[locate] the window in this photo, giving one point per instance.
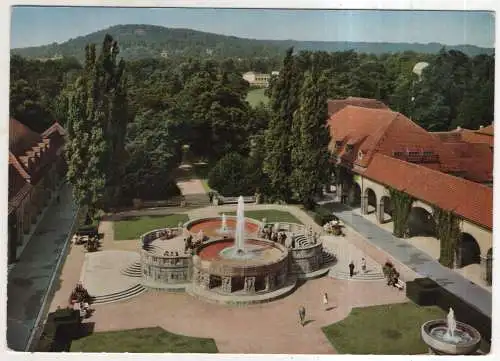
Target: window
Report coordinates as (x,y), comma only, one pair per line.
(398,154)
(349,147)
(428,153)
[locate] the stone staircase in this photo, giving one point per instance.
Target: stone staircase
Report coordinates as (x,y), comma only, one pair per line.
(133,291)
(134,270)
(197,200)
(328,258)
(341,272)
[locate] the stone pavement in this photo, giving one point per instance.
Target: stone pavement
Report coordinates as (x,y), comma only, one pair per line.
(29,279)
(270,328)
(417,260)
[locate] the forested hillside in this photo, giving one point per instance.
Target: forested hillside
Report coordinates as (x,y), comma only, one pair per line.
(149,41)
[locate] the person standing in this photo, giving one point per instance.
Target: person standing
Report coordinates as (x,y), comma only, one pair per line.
(351,268)
(363,264)
(325,300)
(302,315)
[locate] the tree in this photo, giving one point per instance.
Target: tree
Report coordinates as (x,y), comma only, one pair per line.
(310,161)
(97,122)
(229,176)
(283,103)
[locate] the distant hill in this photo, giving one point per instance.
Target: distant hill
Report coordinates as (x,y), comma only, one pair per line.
(147,41)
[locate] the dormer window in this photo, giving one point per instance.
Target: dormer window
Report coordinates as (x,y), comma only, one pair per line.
(360,155)
(338,144)
(349,147)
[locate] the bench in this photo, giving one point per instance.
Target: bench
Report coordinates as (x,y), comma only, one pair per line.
(400,284)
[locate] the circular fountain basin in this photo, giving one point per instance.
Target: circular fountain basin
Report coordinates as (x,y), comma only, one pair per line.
(465,340)
(212,227)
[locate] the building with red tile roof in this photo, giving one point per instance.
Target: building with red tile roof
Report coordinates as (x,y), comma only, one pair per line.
(35,167)
(381,149)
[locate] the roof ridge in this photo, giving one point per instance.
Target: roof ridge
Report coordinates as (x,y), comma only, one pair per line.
(465,181)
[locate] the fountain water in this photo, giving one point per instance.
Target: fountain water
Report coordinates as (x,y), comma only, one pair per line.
(450,337)
(239,237)
(223,228)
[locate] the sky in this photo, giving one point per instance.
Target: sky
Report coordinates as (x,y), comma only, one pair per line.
(32,26)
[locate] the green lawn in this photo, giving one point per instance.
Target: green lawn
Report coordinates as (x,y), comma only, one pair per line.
(143,340)
(256,96)
(134,227)
(270,215)
(382,330)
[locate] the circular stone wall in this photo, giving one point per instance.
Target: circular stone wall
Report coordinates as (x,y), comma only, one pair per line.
(160,271)
(211,226)
(306,259)
(265,271)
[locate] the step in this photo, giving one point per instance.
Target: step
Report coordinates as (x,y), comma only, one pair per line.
(358,277)
(118,293)
(120,296)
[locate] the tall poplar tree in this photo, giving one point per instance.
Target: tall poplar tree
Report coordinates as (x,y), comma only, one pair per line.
(309,155)
(97,120)
(283,103)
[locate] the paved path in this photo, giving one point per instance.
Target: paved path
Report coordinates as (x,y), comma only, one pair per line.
(417,260)
(270,328)
(29,280)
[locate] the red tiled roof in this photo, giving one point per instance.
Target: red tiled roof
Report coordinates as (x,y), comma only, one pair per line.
(467,199)
(334,105)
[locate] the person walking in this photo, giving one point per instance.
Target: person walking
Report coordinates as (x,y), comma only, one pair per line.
(351,269)
(302,315)
(363,265)
(325,300)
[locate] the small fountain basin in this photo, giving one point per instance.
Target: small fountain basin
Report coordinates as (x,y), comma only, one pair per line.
(465,339)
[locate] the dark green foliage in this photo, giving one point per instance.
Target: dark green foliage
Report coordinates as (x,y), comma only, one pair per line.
(60,328)
(309,151)
(154,151)
(424,292)
(231,176)
(36,90)
(401,203)
(283,104)
(448,232)
(97,122)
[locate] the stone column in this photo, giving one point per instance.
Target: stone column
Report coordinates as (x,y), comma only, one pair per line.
(364,204)
(487,269)
(380,212)
(250,284)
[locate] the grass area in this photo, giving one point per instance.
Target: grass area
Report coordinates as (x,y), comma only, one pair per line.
(257,96)
(143,340)
(270,215)
(134,227)
(382,330)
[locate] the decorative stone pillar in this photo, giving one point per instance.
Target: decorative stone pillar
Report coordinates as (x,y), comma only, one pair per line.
(250,284)
(484,271)
(204,280)
(380,212)
(226,284)
(364,204)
